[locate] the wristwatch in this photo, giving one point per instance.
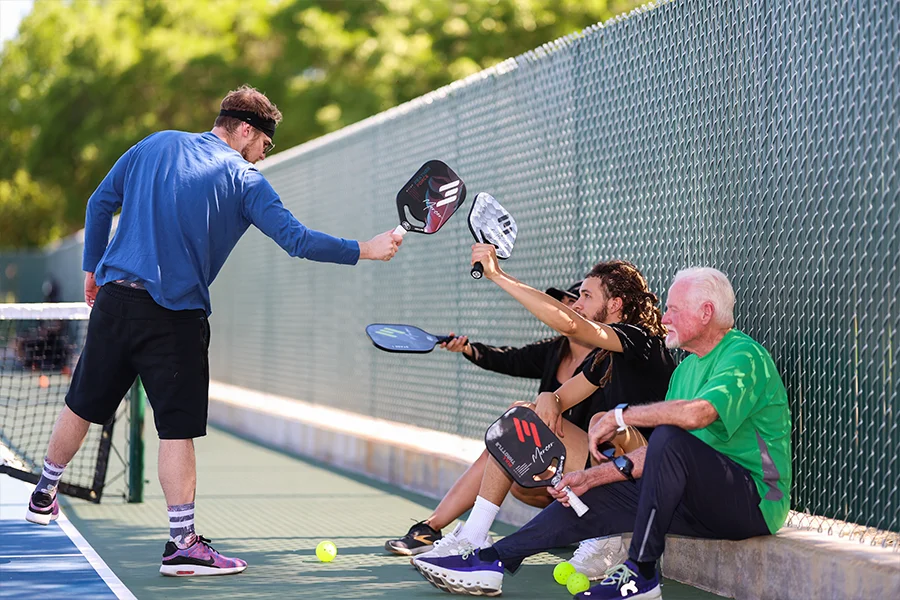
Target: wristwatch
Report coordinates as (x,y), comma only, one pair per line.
(619,420)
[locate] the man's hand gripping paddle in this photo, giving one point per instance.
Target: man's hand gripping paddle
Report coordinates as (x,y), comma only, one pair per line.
(490,223)
(429,199)
(529,451)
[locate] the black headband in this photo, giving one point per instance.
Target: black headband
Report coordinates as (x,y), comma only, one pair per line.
(267,126)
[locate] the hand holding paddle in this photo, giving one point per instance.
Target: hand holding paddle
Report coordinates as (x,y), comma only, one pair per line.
(490,223)
(486,255)
(381,247)
(575,482)
(455,344)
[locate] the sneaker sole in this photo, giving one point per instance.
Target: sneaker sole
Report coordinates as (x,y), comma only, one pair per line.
(457,589)
(488,583)
(435,582)
(462,590)
(407,551)
(40,518)
(197,570)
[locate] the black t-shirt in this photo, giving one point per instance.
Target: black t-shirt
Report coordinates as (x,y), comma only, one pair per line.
(640,374)
(539,360)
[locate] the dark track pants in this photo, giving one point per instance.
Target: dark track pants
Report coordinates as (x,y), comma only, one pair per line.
(687,488)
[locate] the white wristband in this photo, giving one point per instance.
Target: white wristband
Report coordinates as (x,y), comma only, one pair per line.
(620,421)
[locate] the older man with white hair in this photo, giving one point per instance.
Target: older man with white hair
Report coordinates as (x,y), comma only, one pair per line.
(718,464)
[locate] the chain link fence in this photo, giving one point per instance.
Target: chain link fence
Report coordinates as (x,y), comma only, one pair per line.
(760,138)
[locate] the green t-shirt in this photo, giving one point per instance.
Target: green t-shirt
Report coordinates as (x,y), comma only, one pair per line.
(754,426)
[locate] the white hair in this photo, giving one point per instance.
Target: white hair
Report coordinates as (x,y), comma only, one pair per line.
(710,285)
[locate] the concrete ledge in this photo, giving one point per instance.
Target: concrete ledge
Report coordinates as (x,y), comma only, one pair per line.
(421,460)
(793,564)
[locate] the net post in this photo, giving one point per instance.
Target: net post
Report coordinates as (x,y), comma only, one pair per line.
(136,447)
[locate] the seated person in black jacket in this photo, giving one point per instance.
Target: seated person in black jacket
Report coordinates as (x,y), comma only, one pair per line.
(614,295)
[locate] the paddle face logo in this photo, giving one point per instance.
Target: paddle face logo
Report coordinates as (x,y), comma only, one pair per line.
(522,431)
(538,456)
(392,333)
(504,222)
(438,196)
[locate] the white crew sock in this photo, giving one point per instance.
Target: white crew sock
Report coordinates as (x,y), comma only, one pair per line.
(480,520)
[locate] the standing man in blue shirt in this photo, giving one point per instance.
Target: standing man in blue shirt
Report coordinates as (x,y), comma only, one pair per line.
(186,200)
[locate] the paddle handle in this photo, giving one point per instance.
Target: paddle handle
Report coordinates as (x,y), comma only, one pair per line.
(575,502)
(444,338)
(477,271)
(399,230)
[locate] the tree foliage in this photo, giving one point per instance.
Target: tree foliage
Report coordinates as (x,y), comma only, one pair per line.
(86,79)
(30,212)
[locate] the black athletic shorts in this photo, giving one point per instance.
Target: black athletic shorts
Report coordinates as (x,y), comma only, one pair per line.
(129,335)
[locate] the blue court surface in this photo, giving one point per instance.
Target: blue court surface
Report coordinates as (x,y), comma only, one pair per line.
(47,562)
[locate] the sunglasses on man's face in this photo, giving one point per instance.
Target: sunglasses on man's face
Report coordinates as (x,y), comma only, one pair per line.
(267,146)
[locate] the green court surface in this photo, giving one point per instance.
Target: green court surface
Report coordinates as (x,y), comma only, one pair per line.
(272,509)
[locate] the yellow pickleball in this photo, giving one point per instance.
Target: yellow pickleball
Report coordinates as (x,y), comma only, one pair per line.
(326,551)
(577,583)
(562,571)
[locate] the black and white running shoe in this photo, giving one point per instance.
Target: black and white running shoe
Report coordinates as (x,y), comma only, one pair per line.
(420,538)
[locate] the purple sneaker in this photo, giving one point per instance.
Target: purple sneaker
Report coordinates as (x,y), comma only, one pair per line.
(198,559)
(42,508)
(463,573)
(624,581)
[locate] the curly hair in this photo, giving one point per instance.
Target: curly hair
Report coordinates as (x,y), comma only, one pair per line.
(621,279)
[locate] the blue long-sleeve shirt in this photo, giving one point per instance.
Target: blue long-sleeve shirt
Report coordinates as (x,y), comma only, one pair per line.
(186,200)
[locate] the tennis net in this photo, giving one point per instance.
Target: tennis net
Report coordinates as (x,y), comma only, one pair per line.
(39,348)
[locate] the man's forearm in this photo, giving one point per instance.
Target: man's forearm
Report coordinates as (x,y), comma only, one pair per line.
(606,473)
(96,237)
(687,414)
(538,303)
(558,316)
(637,457)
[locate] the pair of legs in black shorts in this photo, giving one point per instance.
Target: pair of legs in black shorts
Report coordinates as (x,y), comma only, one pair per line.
(129,335)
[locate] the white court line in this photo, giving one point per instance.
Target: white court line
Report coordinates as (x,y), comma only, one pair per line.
(16,494)
(114,583)
(36,555)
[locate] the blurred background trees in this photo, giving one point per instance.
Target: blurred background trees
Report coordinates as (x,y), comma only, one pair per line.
(86,79)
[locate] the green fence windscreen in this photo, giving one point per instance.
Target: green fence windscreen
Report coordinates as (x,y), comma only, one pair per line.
(759,137)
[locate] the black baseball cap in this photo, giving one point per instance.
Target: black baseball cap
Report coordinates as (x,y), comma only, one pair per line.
(573,292)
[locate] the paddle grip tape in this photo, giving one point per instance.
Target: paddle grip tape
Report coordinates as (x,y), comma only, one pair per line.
(575,502)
